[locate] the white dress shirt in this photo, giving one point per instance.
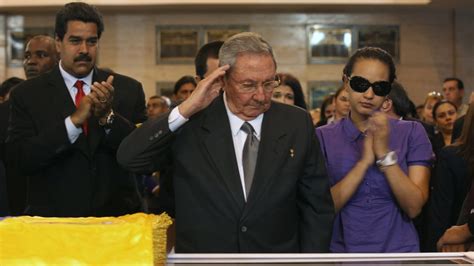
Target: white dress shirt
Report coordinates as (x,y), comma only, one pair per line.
(176,120)
(72,131)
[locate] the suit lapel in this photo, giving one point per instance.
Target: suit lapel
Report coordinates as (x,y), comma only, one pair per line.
(217,139)
(271,153)
(63,102)
(96,132)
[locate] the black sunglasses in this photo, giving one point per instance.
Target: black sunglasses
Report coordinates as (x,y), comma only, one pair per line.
(360,84)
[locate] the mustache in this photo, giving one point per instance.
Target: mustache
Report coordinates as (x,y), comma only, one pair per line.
(83,57)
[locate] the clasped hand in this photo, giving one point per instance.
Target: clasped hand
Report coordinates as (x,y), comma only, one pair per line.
(376,138)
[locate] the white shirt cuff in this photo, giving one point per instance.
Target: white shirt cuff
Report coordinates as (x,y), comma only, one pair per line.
(72,131)
(176,120)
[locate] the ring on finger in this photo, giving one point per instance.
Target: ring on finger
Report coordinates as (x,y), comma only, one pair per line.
(102,100)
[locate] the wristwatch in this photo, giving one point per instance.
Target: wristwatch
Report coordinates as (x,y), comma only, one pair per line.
(108,120)
(390,158)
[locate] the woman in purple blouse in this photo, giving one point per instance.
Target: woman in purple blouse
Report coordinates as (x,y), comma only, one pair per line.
(379,167)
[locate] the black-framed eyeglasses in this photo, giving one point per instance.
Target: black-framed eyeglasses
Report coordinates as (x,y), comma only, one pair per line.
(250,86)
(360,84)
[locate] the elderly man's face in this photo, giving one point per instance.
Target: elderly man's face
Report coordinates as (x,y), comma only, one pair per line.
(249,85)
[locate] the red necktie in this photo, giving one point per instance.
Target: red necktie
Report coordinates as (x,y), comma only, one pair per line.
(80,93)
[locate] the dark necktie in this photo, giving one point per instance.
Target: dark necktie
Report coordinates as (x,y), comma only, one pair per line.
(79,95)
(249,156)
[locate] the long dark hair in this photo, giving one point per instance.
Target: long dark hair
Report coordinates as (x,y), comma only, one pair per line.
(466,140)
(292,82)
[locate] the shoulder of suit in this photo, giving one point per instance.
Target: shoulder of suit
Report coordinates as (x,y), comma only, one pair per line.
(120,78)
(288,109)
(31,86)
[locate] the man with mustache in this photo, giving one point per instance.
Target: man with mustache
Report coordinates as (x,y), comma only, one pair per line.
(66,126)
(40,56)
(248,173)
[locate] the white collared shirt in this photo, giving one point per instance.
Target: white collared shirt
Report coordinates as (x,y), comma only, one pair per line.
(176,120)
(72,131)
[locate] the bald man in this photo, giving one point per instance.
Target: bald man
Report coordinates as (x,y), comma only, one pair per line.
(40,56)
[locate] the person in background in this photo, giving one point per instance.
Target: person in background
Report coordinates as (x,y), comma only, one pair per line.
(7,86)
(207,59)
(454,175)
(12,186)
(40,56)
(431,99)
(156,106)
(378,167)
(419,111)
(328,108)
(341,105)
(453,90)
(397,104)
(444,116)
(289,91)
(315,115)
(460,121)
(183,88)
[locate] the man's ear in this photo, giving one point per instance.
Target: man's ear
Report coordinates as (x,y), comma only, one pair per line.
(58,44)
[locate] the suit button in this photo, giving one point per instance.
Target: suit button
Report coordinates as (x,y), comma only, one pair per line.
(243,229)
(151,138)
(157,135)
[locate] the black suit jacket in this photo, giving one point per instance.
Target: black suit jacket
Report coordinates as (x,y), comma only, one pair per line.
(289,208)
(82,178)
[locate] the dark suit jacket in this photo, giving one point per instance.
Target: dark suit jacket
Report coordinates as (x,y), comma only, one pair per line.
(289,208)
(79,179)
(450,186)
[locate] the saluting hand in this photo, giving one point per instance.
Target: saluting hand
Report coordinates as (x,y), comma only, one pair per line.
(206,91)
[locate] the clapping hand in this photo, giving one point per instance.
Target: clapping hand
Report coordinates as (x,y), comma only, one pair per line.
(102,95)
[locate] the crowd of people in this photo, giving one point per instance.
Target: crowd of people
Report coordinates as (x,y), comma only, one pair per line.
(235,156)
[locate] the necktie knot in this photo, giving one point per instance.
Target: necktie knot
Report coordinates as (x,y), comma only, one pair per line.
(79,84)
(247,128)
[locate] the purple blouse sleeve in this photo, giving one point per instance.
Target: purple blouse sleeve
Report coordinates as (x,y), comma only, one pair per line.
(420,151)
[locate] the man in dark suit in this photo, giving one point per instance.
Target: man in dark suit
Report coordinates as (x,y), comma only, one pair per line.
(66,126)
(248,173)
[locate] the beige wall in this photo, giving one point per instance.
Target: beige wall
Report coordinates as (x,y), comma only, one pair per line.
(428,53)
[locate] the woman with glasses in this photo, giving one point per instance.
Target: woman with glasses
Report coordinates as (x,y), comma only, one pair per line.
(378,167)
(289,91)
